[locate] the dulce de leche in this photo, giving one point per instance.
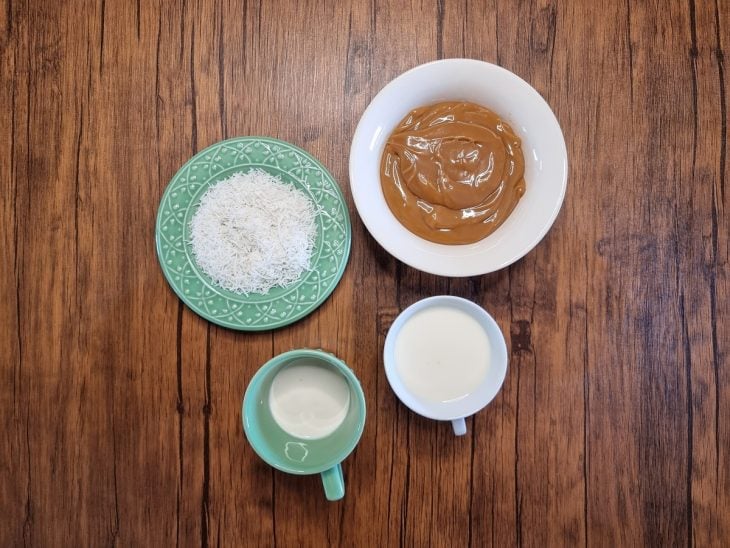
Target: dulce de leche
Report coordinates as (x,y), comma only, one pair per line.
(452,172)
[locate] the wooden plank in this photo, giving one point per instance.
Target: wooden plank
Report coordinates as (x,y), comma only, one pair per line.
(14,446)
(702,254)
(598,115)
(56,439)
(661,132)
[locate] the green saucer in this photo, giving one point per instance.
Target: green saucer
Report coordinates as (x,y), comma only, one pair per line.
(280,306)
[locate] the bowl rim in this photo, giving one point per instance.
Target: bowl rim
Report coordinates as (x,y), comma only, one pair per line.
(443,268)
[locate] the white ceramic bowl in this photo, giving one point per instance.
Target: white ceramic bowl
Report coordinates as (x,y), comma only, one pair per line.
(546,164)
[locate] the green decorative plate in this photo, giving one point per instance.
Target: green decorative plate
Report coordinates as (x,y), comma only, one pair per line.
(280,306)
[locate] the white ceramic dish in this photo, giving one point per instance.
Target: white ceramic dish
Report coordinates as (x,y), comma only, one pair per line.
(546,164)
(457,410)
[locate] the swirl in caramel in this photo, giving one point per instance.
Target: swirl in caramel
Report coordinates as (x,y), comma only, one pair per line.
(452,172)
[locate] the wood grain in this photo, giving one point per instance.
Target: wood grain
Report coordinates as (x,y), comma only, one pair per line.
(121,408)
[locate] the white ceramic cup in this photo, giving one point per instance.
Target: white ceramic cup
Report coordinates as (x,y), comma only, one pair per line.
(457,410)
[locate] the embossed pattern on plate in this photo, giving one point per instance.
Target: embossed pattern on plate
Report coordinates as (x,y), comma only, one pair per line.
(280,306)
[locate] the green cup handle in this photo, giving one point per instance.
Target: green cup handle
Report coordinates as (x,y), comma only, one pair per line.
(334,483)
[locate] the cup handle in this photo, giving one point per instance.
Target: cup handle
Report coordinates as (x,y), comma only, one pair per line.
(459,426)
(334,483)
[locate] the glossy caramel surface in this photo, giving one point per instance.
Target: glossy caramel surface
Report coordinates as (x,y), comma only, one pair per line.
(452,172)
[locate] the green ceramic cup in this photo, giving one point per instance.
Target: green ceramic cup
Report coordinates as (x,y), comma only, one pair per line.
(295,455)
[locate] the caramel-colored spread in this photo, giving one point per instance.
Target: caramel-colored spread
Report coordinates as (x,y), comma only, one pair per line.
(452,172)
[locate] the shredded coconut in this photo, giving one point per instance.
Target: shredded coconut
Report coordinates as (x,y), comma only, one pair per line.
(253,232)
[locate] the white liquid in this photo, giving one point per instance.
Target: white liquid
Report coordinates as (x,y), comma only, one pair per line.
(309,401)
(442,354)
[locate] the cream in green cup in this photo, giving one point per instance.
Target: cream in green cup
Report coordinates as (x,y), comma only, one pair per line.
(304,413)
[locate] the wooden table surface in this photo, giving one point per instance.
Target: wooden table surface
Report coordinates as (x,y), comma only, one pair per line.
(120,417)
